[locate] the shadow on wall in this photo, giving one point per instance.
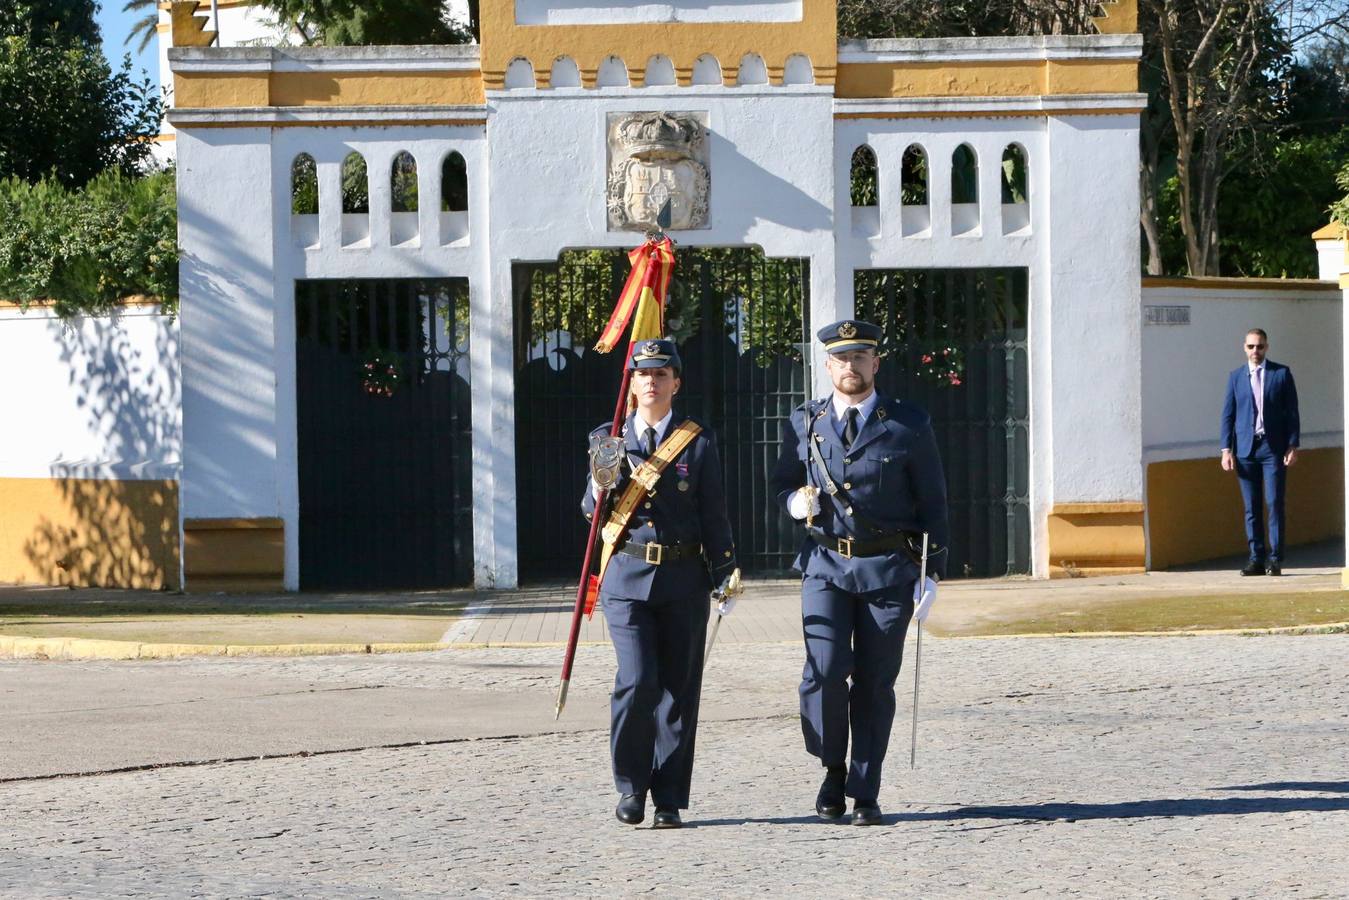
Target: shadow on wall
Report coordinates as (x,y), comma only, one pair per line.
(112,521)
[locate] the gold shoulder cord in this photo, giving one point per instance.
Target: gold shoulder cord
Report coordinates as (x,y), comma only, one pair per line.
(644,479)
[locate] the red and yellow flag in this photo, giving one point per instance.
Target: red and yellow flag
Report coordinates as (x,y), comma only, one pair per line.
(642,300)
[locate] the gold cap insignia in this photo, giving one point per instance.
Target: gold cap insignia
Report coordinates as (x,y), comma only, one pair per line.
(651,348)
(847,330)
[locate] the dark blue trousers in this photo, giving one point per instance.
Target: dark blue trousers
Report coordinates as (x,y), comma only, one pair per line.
(1262,476)
(857,636)
(654,710)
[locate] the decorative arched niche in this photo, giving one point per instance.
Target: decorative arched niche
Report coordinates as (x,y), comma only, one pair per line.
(404,229)
(915,210)
(453,199)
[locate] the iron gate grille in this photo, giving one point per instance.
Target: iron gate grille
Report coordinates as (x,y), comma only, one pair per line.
(384,433)
(955,343)
(738,318)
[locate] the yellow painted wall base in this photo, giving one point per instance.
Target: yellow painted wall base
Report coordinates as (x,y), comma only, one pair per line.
(234,554)
(1096,539)
(85,532)
(1195,511)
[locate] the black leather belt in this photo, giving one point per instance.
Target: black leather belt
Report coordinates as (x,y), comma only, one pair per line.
(850,547)
(661,553)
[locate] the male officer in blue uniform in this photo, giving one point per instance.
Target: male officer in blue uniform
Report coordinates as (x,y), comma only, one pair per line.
(864,472)
(674,548)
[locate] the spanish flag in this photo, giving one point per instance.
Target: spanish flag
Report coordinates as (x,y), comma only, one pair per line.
(642,300)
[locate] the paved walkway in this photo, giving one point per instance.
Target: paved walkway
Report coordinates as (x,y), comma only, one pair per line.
(1145,767)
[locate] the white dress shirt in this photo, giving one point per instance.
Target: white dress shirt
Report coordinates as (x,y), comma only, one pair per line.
(1257,375)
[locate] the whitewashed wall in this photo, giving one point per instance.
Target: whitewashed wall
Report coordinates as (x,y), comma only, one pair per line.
(95,397)
(1185,367)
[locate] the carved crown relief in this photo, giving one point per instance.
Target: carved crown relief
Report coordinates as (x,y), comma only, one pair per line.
(654,157)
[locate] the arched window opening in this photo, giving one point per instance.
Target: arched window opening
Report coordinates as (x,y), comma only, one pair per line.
(1014,178)
(565,74)
(752,70)
(706,70)
(355,201)
(863,177)
(659,72)
(964,175)
(453,199)
(914,212)
(304,186)
(403,183)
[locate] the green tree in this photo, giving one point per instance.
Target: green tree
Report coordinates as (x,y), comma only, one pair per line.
(360,22)
(62,22)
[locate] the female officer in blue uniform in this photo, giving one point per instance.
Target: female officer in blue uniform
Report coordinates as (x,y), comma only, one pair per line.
(676,546)
(864,472)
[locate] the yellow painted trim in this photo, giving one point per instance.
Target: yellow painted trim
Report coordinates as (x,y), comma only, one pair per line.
(167,138)
(213,90)
(1120,507)
(222,4)
(1344,277)
(234,554)
(1096,539)
(88,532)
(1195,511)
(992,114)
(503,40)
(329,123)
(1120,17)
(135,300)
(189,29)
(1239,284)
(448,88)
(1029,78)
(1332,232)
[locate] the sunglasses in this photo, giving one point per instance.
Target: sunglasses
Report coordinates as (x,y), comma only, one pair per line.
(1253,346)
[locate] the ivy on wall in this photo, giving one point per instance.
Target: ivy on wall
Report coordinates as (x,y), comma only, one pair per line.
(83,250)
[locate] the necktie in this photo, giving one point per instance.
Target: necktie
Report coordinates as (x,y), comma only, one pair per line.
(650,442)
(1259,391)
(850,426)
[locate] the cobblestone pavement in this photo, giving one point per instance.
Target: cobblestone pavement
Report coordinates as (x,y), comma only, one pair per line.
(1210,766)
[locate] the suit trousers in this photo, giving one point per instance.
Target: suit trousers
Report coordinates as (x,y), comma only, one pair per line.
(1262,476)
(654,708)
(858,637)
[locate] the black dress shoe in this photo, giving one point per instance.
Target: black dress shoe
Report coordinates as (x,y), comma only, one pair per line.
(1254,567)
(866,812)
(631,809)
(1272,568)
(830,802)
(666,817)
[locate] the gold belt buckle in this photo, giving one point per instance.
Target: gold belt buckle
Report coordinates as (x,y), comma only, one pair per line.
(654,553)
(845,548)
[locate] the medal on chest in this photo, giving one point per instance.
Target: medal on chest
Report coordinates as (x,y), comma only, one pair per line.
(682,470)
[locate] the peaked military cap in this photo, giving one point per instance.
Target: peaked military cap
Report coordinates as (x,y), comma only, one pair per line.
(656,354)
(850,334)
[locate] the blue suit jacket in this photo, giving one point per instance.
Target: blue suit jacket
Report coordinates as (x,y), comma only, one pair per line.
(1282,425)
(892,472)
(672,516)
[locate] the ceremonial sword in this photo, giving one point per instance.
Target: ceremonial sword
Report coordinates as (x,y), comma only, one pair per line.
(918,656)
(730,588)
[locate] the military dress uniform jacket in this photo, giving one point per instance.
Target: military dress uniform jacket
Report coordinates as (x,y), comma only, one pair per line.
(893,475)
(693,514)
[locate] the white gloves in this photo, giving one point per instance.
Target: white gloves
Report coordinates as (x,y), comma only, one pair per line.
(924,596)
(726,606)
(803,503)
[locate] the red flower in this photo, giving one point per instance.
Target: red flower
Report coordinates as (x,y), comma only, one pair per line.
(927,358)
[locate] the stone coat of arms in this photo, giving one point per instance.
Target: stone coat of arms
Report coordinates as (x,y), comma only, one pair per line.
(654,157)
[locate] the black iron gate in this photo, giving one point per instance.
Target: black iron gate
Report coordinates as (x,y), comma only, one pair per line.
(738,318)
(384,434)
(955,341)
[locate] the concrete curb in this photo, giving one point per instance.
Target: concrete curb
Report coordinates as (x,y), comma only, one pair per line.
(1328,628)
(58,648)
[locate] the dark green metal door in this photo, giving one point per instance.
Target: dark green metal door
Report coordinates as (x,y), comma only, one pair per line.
(955,344)
(738,318)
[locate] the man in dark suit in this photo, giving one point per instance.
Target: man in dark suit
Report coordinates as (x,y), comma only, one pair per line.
(1260,437)
(667,554)
(863,471)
